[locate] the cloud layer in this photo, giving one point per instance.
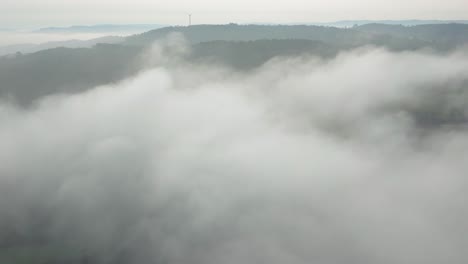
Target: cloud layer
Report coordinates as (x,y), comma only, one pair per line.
(358,159)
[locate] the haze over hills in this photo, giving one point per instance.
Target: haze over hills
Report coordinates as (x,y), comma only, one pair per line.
(28,40)
(239,46)
(31,48)
(451,35)
(413,22)
(110,28)
(362,35)
(120,30)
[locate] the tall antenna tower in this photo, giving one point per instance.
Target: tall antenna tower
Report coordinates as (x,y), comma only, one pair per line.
(189,19)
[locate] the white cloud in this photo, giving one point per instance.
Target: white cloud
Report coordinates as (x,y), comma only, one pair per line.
(300,161)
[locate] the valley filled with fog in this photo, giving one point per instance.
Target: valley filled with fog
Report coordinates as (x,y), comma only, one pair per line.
(238,144)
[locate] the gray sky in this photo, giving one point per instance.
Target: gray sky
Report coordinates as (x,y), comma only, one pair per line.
(21,13)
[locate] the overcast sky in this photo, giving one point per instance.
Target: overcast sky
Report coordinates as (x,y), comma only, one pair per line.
(27,13)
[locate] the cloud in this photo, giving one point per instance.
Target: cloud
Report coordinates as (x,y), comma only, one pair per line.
(300,161)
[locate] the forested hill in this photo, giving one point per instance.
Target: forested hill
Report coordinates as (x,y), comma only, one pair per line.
(27,77)
(446,35)
(437,36)
(234,32)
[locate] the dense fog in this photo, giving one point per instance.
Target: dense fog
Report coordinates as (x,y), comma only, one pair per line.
(359,158)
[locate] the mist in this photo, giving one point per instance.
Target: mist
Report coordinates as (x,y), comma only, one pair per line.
(16,38)
(302,160)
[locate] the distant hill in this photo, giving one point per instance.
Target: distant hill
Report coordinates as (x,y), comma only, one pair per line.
(414,22)
(30,48)
(131,28)
(234,32)
(446,35)
(70,70)
(437,36)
